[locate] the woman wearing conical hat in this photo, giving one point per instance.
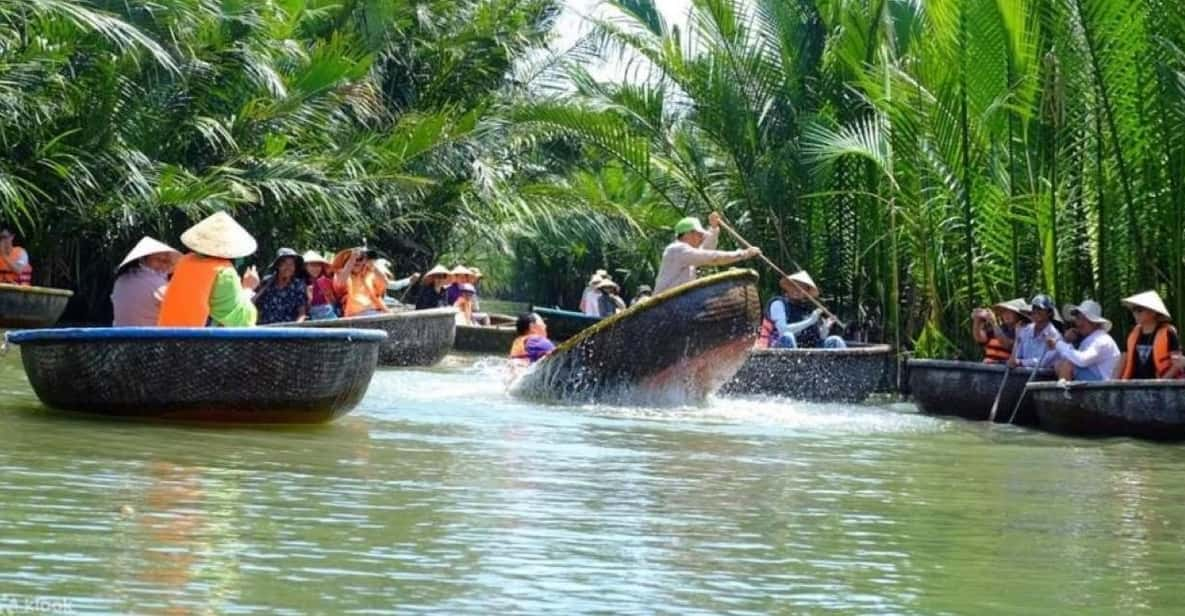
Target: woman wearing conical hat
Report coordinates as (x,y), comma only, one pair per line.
(433,289)
(140,283)
(792,321)
(205,287)
(1152,343)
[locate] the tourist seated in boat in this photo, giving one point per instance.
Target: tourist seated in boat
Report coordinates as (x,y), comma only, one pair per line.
(609,303)
(323,302)
(140,283)
(995,329)
(532,343)
(591,297)
(394,285)
(695,247)
(361,288)
(205,288)
(432,290)
(14,260)
(283,296)
(464,305)
(1030,348)
(1152,345)
(460,275)
(644,293)
(793,321)
(1097,355)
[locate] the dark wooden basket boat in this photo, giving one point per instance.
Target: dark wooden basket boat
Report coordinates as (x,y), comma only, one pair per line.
(1152,410)
(493,340)
(676,348)
(249,375)
(819,375)
(31,306)
(967,389)
(564,324)
(414,337)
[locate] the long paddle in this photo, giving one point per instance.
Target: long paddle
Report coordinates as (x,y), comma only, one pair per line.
(999,392)
(1024,391)
(779,270)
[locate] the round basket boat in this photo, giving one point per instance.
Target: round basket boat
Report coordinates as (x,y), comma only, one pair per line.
(563,325)
(1152,410)
(249,375)
(31,306)
(492,340)
(414,337)
(968,389)
(676,348)
(817,375)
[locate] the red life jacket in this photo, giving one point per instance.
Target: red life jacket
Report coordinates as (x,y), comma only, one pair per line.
(187,298)
(1161,354)
(994,351)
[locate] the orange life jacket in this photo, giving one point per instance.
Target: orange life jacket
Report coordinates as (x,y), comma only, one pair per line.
(364,293)
(187,298)
(7,276)
(1161,355)
(994,351)
(518,350)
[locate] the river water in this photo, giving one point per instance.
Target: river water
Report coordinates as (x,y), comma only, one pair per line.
(440,494)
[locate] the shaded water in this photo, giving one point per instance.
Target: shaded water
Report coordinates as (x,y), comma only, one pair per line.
(441,494)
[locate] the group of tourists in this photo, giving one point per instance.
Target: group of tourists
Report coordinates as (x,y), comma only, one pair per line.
(441,287)
(602,296)
(1034,335)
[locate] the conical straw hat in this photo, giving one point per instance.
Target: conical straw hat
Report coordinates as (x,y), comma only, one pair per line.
(1149,300)
(803,280)
(1018,306)
(438,270)
(147,246)
(313,256)
(461,270)
(219,236)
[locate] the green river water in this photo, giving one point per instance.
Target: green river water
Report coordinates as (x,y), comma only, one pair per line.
(441,494)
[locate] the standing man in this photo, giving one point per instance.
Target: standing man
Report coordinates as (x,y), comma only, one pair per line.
(695,247)
(14,261)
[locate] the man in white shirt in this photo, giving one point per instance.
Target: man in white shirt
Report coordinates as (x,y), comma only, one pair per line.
(1030,347)
(1097,355)
(695,247)
(590,296)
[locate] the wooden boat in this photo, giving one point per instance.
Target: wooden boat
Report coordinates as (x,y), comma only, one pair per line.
(968,389)
(31,306)
(564,324)
(414,337)
(819,375)
(676,348)
(1152,410)
(491,339)
(245,375)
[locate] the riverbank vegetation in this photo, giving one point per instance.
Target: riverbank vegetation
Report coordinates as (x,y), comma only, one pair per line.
(918,158)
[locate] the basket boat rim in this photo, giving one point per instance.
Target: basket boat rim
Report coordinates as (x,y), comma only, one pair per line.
(169,334)
(16,288)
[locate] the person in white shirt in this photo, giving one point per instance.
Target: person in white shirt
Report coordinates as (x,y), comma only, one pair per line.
(1097,355)
(695,247)
(590,297)
(1030,347)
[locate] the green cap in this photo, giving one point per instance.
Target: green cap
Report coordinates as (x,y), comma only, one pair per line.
(691,223)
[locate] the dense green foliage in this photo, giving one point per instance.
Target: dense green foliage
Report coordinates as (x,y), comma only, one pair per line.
(919,158)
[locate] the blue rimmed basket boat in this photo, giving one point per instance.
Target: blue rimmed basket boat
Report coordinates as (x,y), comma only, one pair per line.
(968,389)
(816,375)
(31,306)
(248,375)
(1152,409)
(676,348)
(564,324)
(414,337)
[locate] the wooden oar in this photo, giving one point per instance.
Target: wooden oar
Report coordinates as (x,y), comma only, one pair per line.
(779,270)
(1024,391)
(999,392)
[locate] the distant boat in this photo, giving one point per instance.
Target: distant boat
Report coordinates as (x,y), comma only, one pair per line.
(676,348)
(414,337)
(22,306)
(968,390)
(564,324)
(494,339)
(818,375)
(222,375)
(1147,409)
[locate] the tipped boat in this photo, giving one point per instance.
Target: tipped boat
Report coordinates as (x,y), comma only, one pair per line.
(564,324)
(817,375)
(246,375)
(22,306)
(968,389)
(414,337)
(676,348)
(1152,409)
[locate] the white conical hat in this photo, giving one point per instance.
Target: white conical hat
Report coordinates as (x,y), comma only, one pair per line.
(439,270)
(219,236)
(147,246)
(1149,300)
(313,256)
(804,279)
(1018,305)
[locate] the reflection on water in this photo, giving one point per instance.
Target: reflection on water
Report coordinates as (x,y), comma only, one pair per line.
(440,493)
